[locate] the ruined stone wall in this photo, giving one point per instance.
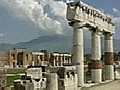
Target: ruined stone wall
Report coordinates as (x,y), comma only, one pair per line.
(3,59)
(19,58)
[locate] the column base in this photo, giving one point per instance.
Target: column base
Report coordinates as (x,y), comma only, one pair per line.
(96,75)
(109,72)
(80,74)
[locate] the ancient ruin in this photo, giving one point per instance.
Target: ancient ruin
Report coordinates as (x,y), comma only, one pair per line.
(61,77)
(80,15)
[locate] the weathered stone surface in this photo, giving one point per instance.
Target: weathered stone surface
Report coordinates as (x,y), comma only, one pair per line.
(113,85)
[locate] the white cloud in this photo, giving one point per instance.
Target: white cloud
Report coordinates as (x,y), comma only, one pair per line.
(116,20)
(33,11)
(115,9)
(58,8)
(116,17)
(2,35)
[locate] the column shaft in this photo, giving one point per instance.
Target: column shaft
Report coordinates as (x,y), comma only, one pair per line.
(109,68)
(96,72)
(54,61)
(78,54)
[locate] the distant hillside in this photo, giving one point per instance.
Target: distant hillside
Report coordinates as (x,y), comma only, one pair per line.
(55,43)
(51,43)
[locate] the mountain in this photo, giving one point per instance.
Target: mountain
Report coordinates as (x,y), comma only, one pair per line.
(54,43)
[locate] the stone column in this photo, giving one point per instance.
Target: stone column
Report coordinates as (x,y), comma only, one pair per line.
(33,63)
(109,68)
(54,60)
(78,52)
(61,60)
(52,81)
(57,60)
(96,72)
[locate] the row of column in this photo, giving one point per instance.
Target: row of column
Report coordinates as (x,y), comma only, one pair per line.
(78,55)
(61,59)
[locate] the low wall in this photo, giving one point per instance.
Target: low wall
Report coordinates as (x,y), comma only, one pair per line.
(5,88)
(112,85)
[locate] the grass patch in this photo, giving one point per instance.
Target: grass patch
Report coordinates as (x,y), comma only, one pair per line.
(15,75)
(87,78)
(16,71)
(10,79)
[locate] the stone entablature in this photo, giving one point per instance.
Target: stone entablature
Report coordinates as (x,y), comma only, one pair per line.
(89,16)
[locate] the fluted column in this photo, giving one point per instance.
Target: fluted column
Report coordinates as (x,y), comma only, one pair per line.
(96,72)
(78,53)
(109,68)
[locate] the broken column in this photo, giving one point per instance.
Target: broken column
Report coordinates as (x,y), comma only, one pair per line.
(109,68)
(78,52)
(96,72)
(52,81)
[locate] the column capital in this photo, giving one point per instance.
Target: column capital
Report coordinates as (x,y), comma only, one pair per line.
(108,36)
(78,25)
(108,33)
(96,30)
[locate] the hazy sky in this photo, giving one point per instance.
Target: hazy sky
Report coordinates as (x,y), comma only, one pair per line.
(23,20)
